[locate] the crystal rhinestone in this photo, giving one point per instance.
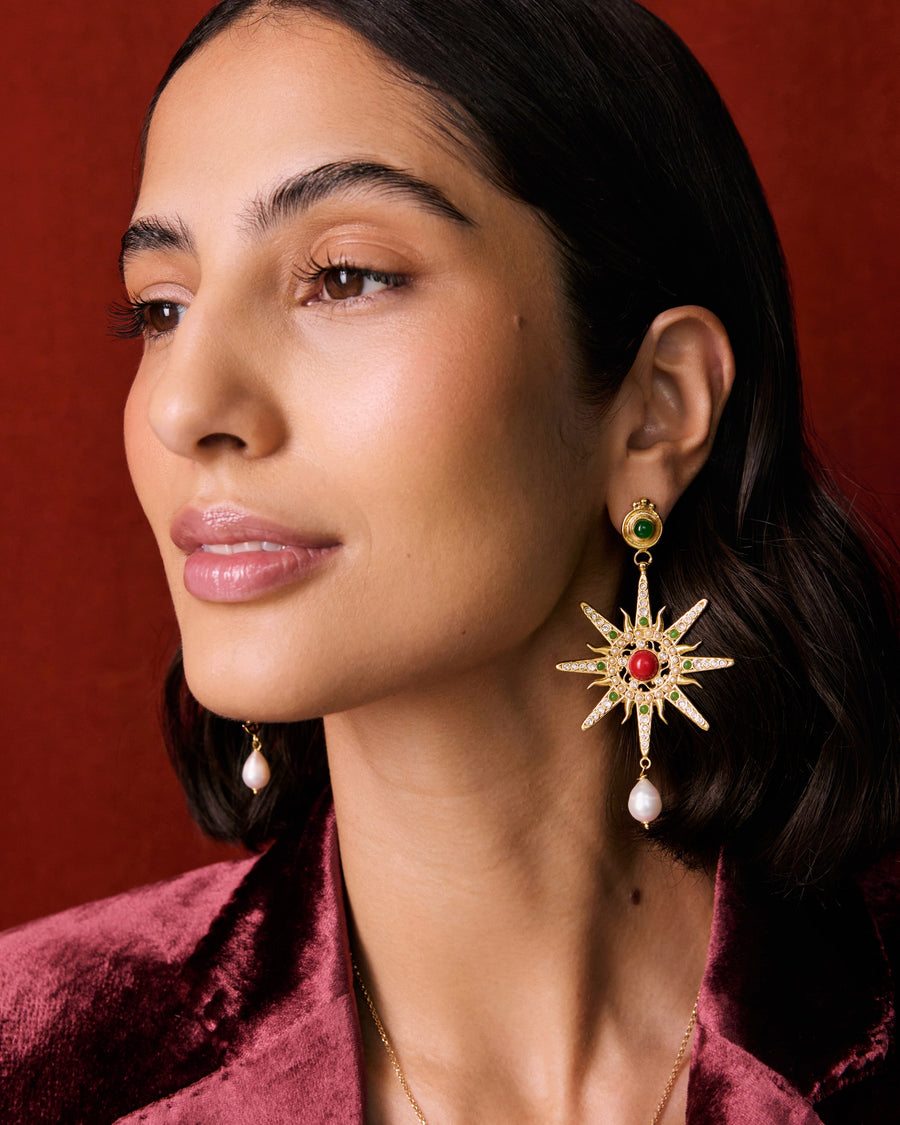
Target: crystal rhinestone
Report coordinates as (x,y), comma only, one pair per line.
(644,802)
(644,664)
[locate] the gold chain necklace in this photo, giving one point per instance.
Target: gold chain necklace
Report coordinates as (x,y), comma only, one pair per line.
(398,1070)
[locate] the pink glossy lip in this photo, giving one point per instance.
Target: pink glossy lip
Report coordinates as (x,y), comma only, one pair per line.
(249,574)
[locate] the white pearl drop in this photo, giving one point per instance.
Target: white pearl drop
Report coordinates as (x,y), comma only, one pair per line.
(255,774)
(644,802)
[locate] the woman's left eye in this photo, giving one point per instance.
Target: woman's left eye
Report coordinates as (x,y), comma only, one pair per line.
(342,283)
(150,319)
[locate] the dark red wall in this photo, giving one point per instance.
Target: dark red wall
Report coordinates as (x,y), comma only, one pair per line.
(89,805)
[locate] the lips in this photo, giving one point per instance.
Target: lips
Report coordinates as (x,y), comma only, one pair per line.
(236,556)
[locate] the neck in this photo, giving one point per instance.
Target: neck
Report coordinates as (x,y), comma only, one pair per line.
(518,944)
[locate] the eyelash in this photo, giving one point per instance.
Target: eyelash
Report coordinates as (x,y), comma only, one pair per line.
(128,318)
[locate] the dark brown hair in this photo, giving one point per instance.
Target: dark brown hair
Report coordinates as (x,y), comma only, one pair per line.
(597,115)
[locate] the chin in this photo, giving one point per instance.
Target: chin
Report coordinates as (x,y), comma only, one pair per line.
(247,691)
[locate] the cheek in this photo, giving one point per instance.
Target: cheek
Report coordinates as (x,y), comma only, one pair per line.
(457,403)
(144,453)
(140,448)
(455,458)
(151,475)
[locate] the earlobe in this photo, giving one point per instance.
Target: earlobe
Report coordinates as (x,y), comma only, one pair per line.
(669,408)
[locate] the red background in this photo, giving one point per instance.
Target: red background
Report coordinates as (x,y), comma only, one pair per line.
(89,804)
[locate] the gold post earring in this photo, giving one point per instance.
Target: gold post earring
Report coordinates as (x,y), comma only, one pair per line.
(644,665)
(255,774)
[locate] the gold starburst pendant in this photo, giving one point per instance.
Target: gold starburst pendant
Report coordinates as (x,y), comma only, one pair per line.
(645,664)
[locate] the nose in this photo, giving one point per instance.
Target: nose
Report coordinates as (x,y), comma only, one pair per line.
(210,394)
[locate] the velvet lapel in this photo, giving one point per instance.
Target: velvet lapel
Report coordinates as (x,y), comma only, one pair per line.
(271,994)
(796,1003)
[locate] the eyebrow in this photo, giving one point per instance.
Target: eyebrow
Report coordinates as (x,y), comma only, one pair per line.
(152,233)
(293,197)
(299,193)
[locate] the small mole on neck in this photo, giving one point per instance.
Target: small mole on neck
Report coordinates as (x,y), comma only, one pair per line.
(636,897)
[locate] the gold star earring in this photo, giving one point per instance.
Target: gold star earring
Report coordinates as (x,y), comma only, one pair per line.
(644,665)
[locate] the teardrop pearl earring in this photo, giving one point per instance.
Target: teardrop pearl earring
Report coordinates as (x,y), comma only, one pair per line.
(256,773)
(643,665)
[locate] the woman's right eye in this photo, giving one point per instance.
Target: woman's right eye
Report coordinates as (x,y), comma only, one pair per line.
(132,319)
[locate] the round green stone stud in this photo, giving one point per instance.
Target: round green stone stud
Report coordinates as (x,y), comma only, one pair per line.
(674,697)
(613,696)
(613,634)
(601,667)
(687,666)
(673,633)
(643,621)
(644,709)
(643,529)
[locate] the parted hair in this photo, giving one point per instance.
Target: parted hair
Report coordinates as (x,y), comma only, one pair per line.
(597,115)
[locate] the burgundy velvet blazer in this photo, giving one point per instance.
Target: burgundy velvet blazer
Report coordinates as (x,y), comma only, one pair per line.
(225,997)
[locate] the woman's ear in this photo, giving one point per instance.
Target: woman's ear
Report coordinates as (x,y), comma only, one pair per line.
(664,419)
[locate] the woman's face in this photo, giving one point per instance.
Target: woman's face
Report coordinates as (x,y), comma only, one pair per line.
(355,428)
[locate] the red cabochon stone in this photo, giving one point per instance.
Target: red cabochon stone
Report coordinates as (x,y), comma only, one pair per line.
(644,664)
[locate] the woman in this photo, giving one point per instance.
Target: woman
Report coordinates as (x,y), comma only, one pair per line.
(441,302)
